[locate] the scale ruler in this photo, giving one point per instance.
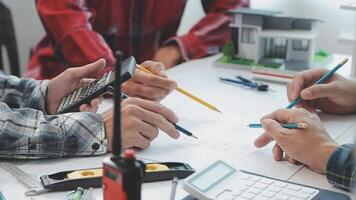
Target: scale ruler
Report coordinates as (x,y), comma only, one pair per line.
(34,186)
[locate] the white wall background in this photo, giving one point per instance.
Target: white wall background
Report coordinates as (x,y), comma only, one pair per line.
(29,30)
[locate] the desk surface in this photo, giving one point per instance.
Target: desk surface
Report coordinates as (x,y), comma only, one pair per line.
(221,136)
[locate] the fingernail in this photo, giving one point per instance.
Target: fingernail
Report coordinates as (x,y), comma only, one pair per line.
(306,94)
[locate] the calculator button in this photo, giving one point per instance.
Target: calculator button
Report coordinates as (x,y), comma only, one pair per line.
(262,198)
(274,189)
(267,181)
(247,195)
(280,184)
(256,178)
(249,183)
(225,195)
(268,194)
(281,197)
(299,195)
(254,190)
(242,188)
(261,185)
(308,191)
(246,176)
(293,187)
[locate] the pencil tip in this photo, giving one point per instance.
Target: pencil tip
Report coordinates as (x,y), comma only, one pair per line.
(194,136)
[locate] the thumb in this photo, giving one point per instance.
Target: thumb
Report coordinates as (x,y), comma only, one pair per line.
(319,91)
(90,70)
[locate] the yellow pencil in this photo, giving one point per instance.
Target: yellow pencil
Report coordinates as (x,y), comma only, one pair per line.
(186,93)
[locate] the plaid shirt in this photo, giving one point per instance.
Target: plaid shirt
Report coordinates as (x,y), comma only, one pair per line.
(82,31)
(341,168)
(26,131)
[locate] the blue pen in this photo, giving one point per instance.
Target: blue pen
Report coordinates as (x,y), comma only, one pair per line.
(289,125)
(321,80)
(186,132)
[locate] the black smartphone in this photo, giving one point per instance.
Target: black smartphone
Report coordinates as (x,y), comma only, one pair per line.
(96,88)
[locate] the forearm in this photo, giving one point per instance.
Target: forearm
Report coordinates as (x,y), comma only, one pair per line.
(21,93)
(68,24)
(28,133)
(341,169)
(210,33)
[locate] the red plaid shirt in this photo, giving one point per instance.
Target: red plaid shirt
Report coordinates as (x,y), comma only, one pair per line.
(82,31)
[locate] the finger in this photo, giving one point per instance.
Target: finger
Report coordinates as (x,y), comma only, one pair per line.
(275,130)
(85,81)
(277,152)
(156,68)
(153,107)
(153,118)
(154,80)
(147,130)
(141,142)
(89,70)
(148,91)
(83,108)
(96,102)
(320,91)
(303,80)
(291,160)
(285,115)
(263,140)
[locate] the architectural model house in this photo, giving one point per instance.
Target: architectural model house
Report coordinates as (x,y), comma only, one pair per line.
(265,38)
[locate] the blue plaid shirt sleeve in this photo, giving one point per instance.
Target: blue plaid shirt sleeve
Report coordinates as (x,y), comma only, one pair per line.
(23,93)
(341,170)
(26,131)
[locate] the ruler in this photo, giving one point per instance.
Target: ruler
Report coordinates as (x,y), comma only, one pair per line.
(34,185)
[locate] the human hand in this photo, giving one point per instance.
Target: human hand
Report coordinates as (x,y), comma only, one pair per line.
(70,80)
(168,55)
(140,122)
(337,95)
(152,86)
(310,146)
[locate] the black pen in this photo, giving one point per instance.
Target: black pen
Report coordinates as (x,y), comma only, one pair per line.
(179,128)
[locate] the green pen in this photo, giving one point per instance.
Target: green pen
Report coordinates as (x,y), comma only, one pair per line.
(289,125)
(320,81)
(2,196)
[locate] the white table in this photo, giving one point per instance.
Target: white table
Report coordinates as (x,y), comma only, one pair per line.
(201,78)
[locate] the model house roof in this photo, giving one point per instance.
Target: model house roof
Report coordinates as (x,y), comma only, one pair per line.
(248,11)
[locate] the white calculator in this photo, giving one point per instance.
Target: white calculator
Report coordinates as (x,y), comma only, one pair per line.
(221,181)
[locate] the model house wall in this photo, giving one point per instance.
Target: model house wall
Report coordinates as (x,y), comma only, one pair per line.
(260,36)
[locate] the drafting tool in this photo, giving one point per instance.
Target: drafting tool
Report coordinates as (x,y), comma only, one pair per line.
(186,93)
(247,83)
(179,128)
(85,178)
(289,125)
(174,188)
(34,186)
(324,78)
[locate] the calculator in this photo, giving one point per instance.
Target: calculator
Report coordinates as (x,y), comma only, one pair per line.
(221,181)
(96,88)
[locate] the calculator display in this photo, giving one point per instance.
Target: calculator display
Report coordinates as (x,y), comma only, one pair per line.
(212,176)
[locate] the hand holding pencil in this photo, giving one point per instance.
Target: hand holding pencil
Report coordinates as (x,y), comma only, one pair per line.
(336,95)
(185,92)
(154,87)
(311,146)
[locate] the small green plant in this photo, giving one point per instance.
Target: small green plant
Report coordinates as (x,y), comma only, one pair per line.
(229,51)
